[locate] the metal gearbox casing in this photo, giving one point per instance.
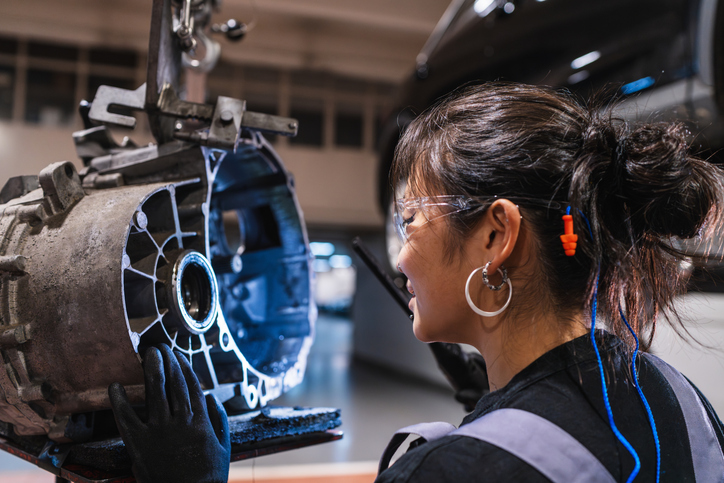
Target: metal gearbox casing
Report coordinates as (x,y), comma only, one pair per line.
(197,242)
(199,248)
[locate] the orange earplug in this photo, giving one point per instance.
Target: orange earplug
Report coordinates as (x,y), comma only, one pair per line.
(569,239)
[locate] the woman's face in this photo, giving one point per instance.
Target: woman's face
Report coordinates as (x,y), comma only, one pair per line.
(437,284)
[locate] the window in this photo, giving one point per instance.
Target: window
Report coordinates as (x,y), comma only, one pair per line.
(115,57)
(311,122)
(7,85)
(261,75)
(52,51)
(263,102)
(50,97)
(325,104)
(8,46)
(95,81)
(348,126)
(305,78)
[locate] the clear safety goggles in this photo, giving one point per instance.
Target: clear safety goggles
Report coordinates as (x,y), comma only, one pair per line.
(413,213)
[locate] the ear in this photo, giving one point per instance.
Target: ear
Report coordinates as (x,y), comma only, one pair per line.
(501,231)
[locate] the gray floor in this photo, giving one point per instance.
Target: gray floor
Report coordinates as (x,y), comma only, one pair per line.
(374,403)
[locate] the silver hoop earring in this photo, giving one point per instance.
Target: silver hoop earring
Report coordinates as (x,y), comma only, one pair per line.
(504,274)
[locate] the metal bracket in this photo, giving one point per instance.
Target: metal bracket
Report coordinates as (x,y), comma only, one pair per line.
(255,121)
(170,105)
(61,186)
(226,121)
(108,96)
(226,125)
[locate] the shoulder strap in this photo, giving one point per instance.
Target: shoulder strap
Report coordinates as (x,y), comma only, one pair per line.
(558,455)
(533,439)
(428,431)
(706,454)
(540,443)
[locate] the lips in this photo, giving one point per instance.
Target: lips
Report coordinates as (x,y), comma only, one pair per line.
(410,289)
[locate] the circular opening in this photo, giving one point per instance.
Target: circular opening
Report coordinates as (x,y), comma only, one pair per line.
(69,170)
(196,292)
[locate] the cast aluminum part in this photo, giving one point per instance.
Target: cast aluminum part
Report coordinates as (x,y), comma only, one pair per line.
(197,242)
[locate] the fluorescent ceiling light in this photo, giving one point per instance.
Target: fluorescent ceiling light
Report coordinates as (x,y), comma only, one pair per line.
(586,59)
(578,77)
(321,249)
(340,261)
(483,7)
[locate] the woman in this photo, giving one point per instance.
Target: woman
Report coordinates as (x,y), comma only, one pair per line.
(490,171)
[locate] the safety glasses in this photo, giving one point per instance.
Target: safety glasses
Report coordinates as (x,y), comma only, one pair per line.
(413,213)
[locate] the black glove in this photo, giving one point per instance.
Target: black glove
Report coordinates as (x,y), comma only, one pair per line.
(182,440)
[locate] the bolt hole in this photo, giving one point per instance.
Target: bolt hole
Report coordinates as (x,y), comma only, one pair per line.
(69,171)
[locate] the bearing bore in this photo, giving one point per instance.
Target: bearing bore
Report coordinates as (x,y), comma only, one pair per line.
(195,292)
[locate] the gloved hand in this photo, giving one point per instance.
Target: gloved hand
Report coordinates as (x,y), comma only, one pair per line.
(185,437)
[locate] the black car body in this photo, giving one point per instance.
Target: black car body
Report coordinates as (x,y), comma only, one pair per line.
(664,57)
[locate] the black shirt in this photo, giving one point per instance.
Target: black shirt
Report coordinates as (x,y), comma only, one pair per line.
(564,386)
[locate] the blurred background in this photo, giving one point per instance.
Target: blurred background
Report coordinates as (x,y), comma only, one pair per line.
(354,74)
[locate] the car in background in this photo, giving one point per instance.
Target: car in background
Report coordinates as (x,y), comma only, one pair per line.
(665,58)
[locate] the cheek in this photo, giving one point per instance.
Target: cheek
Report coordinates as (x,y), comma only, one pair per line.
(441,312)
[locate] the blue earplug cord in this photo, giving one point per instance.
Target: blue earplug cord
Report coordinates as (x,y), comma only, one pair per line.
(650,415)
(609,412)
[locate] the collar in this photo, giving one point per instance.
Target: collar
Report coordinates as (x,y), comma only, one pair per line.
(572,353)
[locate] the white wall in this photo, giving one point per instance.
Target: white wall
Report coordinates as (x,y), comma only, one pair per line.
(703,315)
(26,149)
(335,186)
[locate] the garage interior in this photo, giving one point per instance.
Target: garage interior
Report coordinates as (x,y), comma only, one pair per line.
(337,67)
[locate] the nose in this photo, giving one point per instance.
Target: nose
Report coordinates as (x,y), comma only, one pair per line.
(402,260)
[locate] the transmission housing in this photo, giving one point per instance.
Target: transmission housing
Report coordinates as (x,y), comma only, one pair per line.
(196,241)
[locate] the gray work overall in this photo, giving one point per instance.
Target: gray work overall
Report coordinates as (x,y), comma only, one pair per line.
(534,439)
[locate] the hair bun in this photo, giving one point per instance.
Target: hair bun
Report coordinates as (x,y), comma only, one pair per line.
(668,192)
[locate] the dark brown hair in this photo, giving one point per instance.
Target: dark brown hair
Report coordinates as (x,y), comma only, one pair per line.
(636,186)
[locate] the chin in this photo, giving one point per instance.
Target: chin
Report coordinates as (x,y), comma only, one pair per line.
(420,333)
